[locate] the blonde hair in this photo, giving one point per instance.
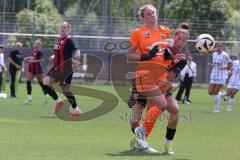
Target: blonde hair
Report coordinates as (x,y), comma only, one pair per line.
(38,41)
(142,8)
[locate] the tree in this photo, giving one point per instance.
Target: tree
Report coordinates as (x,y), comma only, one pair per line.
(202,14)
(43,19)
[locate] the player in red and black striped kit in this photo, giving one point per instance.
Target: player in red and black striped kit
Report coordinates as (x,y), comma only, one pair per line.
(62,71)
(35,69)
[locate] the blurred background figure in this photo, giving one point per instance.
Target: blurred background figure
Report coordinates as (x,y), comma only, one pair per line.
(15,61)
(2,70)
(188,76)
(233,84)
(220,64)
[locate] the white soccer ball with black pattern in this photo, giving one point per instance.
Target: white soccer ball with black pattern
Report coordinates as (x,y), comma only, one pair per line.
(205,43)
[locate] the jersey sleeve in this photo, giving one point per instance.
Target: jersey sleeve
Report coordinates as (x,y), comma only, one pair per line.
(71,45)
(228,58)
(134,38)
(168,32)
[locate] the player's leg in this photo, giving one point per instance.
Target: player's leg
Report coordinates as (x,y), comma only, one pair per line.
(137,103)
(216,90)
(173,110)
(29,87)
(47,81)
(137,110)
(180,91)
(232,92)
(211,88)
(188,84)
(12,83)
(150,117)
(1,73)
(40,82)
(71,98)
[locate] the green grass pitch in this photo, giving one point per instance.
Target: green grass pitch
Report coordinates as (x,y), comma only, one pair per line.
(32,132)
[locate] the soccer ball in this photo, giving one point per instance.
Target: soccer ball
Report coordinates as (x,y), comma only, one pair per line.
(205,43)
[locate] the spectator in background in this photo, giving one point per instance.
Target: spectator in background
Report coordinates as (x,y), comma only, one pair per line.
(2,65)
(15,61)
(188,76)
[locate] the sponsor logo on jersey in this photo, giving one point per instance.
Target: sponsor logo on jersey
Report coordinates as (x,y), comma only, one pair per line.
(146,34)
(164,36)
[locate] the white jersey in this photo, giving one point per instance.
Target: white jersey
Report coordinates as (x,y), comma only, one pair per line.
(234,81)
(1,61)
(219,61)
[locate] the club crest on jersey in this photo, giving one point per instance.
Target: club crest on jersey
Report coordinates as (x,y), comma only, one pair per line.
(62,41)
(56,46)
(146,35)
(163,36)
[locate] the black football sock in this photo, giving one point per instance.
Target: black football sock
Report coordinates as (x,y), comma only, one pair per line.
(170,133)
(71,99)
(29,88)
(50,91)
(43,89)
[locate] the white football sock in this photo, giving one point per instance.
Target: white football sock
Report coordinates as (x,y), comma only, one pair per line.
(230,103)
(168,141)
(217,102)
(30,97)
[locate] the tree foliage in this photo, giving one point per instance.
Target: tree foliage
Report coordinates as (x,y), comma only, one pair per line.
(44,19)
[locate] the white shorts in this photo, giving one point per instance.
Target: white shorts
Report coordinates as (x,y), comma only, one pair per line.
(233,85)
(218,81)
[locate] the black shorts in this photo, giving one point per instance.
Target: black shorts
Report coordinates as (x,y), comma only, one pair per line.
(62,78)
(136,97)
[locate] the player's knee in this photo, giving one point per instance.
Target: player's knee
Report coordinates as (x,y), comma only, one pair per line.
(210,92)
(173,110)
(65,89)
(46,81)
(134,124)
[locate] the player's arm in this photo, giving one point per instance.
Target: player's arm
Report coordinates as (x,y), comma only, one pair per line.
(10,61)
(27,58)
(143,57)
(22,66)
(229,65)
(178,63)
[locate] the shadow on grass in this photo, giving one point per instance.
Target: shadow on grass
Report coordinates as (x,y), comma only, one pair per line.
(134,153)
(141,153)
(47,117)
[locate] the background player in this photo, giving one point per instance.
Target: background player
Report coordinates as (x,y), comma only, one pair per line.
(220,63)
(233,84)
(61,71)
(35,68)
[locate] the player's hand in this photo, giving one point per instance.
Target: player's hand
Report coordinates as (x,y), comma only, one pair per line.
(51,58)
(167,54)
(178,63)
(210,64)
(150,55)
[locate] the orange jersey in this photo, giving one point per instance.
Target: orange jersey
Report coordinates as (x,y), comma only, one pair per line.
(144,39)
(150,71)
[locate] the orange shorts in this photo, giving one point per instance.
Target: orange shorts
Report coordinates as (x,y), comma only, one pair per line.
(149,77)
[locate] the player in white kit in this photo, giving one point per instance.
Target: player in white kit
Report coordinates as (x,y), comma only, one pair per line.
(221,62)
(233,84)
